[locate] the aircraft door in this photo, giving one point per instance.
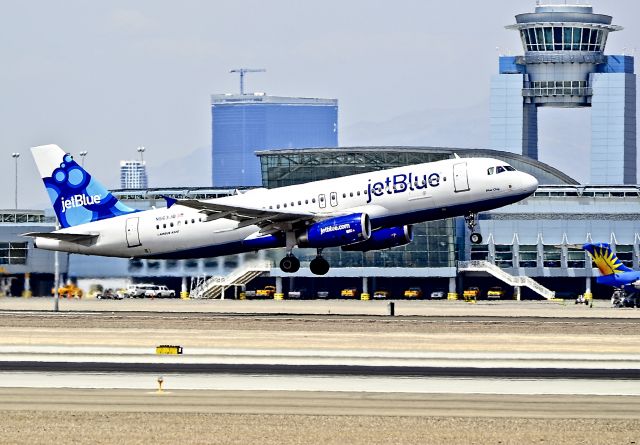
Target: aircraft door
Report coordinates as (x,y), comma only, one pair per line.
(133,236)
(333,199)
(322,201)
(460,178)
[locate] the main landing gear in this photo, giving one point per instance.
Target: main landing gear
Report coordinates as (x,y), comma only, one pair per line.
(472,221)
(290,263)
(318,266)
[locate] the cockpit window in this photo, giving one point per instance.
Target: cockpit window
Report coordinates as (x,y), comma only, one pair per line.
(500,169)
(490,171)
(509,168)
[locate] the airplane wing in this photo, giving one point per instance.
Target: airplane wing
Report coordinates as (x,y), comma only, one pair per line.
(268,220)
(69,237)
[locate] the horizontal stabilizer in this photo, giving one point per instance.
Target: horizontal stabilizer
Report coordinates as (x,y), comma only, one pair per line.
(68,237)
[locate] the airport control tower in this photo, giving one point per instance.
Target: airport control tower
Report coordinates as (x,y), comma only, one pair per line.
(564,65)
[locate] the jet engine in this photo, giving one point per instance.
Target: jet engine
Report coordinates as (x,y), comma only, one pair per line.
(337,231)
(383,239)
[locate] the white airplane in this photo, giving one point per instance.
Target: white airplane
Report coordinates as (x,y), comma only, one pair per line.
(368,211)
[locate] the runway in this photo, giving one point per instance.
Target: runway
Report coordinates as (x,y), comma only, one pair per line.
(536,372)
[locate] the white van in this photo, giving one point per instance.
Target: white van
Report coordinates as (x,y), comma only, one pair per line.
(138,290)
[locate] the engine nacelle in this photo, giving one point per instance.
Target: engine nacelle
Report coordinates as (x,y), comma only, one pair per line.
(337,231)
(384,239)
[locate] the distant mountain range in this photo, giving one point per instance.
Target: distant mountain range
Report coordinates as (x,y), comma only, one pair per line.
(563,137)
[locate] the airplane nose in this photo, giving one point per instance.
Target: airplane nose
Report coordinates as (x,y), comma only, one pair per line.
(529,183)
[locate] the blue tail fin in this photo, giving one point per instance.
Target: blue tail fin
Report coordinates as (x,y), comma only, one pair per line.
(76,197)
(605,259)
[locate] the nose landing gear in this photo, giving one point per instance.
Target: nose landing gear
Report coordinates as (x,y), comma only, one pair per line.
(471,220)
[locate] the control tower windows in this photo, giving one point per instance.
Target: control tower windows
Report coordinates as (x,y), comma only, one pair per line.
(568,38)
(576,39)
(540,38)
(584,43)
(559,38)
(548,38)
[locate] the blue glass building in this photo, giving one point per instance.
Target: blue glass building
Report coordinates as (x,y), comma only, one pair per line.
(244,123)
(564,66)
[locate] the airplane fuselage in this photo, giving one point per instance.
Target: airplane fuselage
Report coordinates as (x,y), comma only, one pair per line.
(394,197)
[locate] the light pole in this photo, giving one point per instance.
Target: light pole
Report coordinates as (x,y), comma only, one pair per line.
(16,156)
(82,154)
(141,150)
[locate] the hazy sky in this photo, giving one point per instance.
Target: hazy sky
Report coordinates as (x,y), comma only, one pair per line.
(109,76)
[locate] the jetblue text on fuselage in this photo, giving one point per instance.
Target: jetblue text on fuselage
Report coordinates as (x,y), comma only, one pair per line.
(79,201)
(401,183)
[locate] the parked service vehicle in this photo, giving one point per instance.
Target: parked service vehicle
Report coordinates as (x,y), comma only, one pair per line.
(495,292)
(322,294)
(250,294)
(297,294)
(266,292)
(471,293)
(436,294)
(413,292)
(159,292)
(350,292)
(137,290)
(108,294)
(69,291)
(381,295)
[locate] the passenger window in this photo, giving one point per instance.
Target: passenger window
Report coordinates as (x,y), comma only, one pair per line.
(157,227)
(344,195)
(351,194)
(193,221)
(490,171)
(299,203)
(313,200)
(306,201)
(358,192)
(164,226)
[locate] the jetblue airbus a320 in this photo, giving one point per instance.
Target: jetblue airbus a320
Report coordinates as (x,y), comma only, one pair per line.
(368,211)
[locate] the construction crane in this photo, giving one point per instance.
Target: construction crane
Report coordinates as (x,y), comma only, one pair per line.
(242,72)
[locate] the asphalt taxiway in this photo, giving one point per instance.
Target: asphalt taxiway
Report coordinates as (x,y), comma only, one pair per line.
(329,359)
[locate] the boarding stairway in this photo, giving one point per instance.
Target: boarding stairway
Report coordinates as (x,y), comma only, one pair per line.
(511,280)
(213,287)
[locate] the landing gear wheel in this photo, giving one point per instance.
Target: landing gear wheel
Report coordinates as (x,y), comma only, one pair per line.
(319,266)
(471,220)
(290,264)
